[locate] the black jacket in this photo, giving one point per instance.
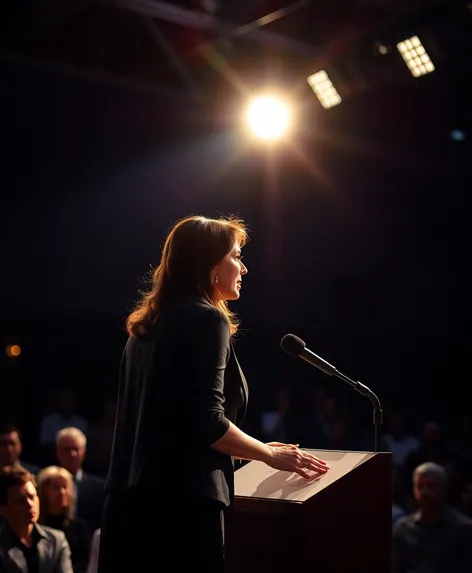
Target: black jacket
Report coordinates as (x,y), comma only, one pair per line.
(179,387)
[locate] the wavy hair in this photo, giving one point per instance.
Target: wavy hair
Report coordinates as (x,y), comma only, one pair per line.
(193,247)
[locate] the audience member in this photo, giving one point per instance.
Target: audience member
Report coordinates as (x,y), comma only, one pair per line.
(56,496)
(273,422)
(65,415)
(432,448)
(11,446)
(25,546)
(436,538)
(398,439)
(71,447)
(85,454)
(461,444)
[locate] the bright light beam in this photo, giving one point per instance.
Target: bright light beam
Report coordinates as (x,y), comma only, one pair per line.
(268,118)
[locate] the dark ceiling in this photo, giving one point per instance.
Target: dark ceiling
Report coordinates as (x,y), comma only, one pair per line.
(181,46)
(380,200)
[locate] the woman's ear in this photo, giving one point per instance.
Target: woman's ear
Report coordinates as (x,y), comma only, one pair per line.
(214,275)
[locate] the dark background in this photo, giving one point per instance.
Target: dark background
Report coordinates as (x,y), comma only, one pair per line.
(359,223)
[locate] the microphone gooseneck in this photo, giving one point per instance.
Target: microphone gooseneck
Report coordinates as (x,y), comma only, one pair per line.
(296,347)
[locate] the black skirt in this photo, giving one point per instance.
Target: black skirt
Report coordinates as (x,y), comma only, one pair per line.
(145,531)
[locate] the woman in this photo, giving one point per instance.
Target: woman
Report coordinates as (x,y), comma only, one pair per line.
(181,399)
(56,494)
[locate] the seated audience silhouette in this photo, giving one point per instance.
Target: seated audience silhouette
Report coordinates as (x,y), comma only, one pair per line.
(63,416)
(432,448)
(398,439)
(436,538)
(11,446)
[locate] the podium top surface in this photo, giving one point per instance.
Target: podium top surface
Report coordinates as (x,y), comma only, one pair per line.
(258,480)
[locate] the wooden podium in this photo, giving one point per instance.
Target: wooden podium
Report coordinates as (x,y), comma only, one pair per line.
(338,523)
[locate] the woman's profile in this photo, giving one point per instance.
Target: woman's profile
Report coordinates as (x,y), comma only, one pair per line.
(182,398)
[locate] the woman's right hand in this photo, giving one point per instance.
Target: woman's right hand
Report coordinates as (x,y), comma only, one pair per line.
(289,457)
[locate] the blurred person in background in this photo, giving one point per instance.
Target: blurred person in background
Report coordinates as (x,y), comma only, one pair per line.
(436,538)
(71,450)
(56,496)
(26,546)
(11,447)
(64,415)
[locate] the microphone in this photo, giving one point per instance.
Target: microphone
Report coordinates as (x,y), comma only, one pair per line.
(296,347)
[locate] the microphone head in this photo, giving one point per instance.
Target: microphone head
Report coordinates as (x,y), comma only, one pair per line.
(292,345)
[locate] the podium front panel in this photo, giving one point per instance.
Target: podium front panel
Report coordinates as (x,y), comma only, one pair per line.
(338,525)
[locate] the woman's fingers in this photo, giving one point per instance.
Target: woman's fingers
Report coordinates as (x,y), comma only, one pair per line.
(310,463)
(317,460)
(316,464)
(291,458)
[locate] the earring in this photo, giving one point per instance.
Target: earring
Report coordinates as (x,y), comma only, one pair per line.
(216,280)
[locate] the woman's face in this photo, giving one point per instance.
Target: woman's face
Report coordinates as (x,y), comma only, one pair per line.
(229,273)
(57,495)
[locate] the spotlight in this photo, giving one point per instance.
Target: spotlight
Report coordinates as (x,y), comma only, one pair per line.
(268,118)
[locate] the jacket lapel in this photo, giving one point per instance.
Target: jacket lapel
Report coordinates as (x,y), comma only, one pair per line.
(44,552)
(17,557)
(14,554)
(243,384)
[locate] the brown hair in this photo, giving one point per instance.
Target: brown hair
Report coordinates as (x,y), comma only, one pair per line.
(193,247)
(12,477)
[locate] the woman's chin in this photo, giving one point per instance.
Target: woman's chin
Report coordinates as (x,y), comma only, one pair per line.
(233,295)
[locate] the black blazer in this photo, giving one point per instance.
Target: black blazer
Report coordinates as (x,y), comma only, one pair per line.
(178,389)
(90,498)
(79,538)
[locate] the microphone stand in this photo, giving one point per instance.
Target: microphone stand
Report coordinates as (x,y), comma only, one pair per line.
(377,413)
(296,347)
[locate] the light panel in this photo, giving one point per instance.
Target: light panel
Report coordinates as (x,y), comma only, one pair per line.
(324,89)
(415,56)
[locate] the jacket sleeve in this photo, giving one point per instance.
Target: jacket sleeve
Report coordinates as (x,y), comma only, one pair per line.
(64,563)
(208,343)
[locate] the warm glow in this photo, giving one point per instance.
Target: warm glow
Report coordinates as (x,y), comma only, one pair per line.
(13,350)
(268,118)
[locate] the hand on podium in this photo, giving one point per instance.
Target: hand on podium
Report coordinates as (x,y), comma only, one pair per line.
(290,458)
